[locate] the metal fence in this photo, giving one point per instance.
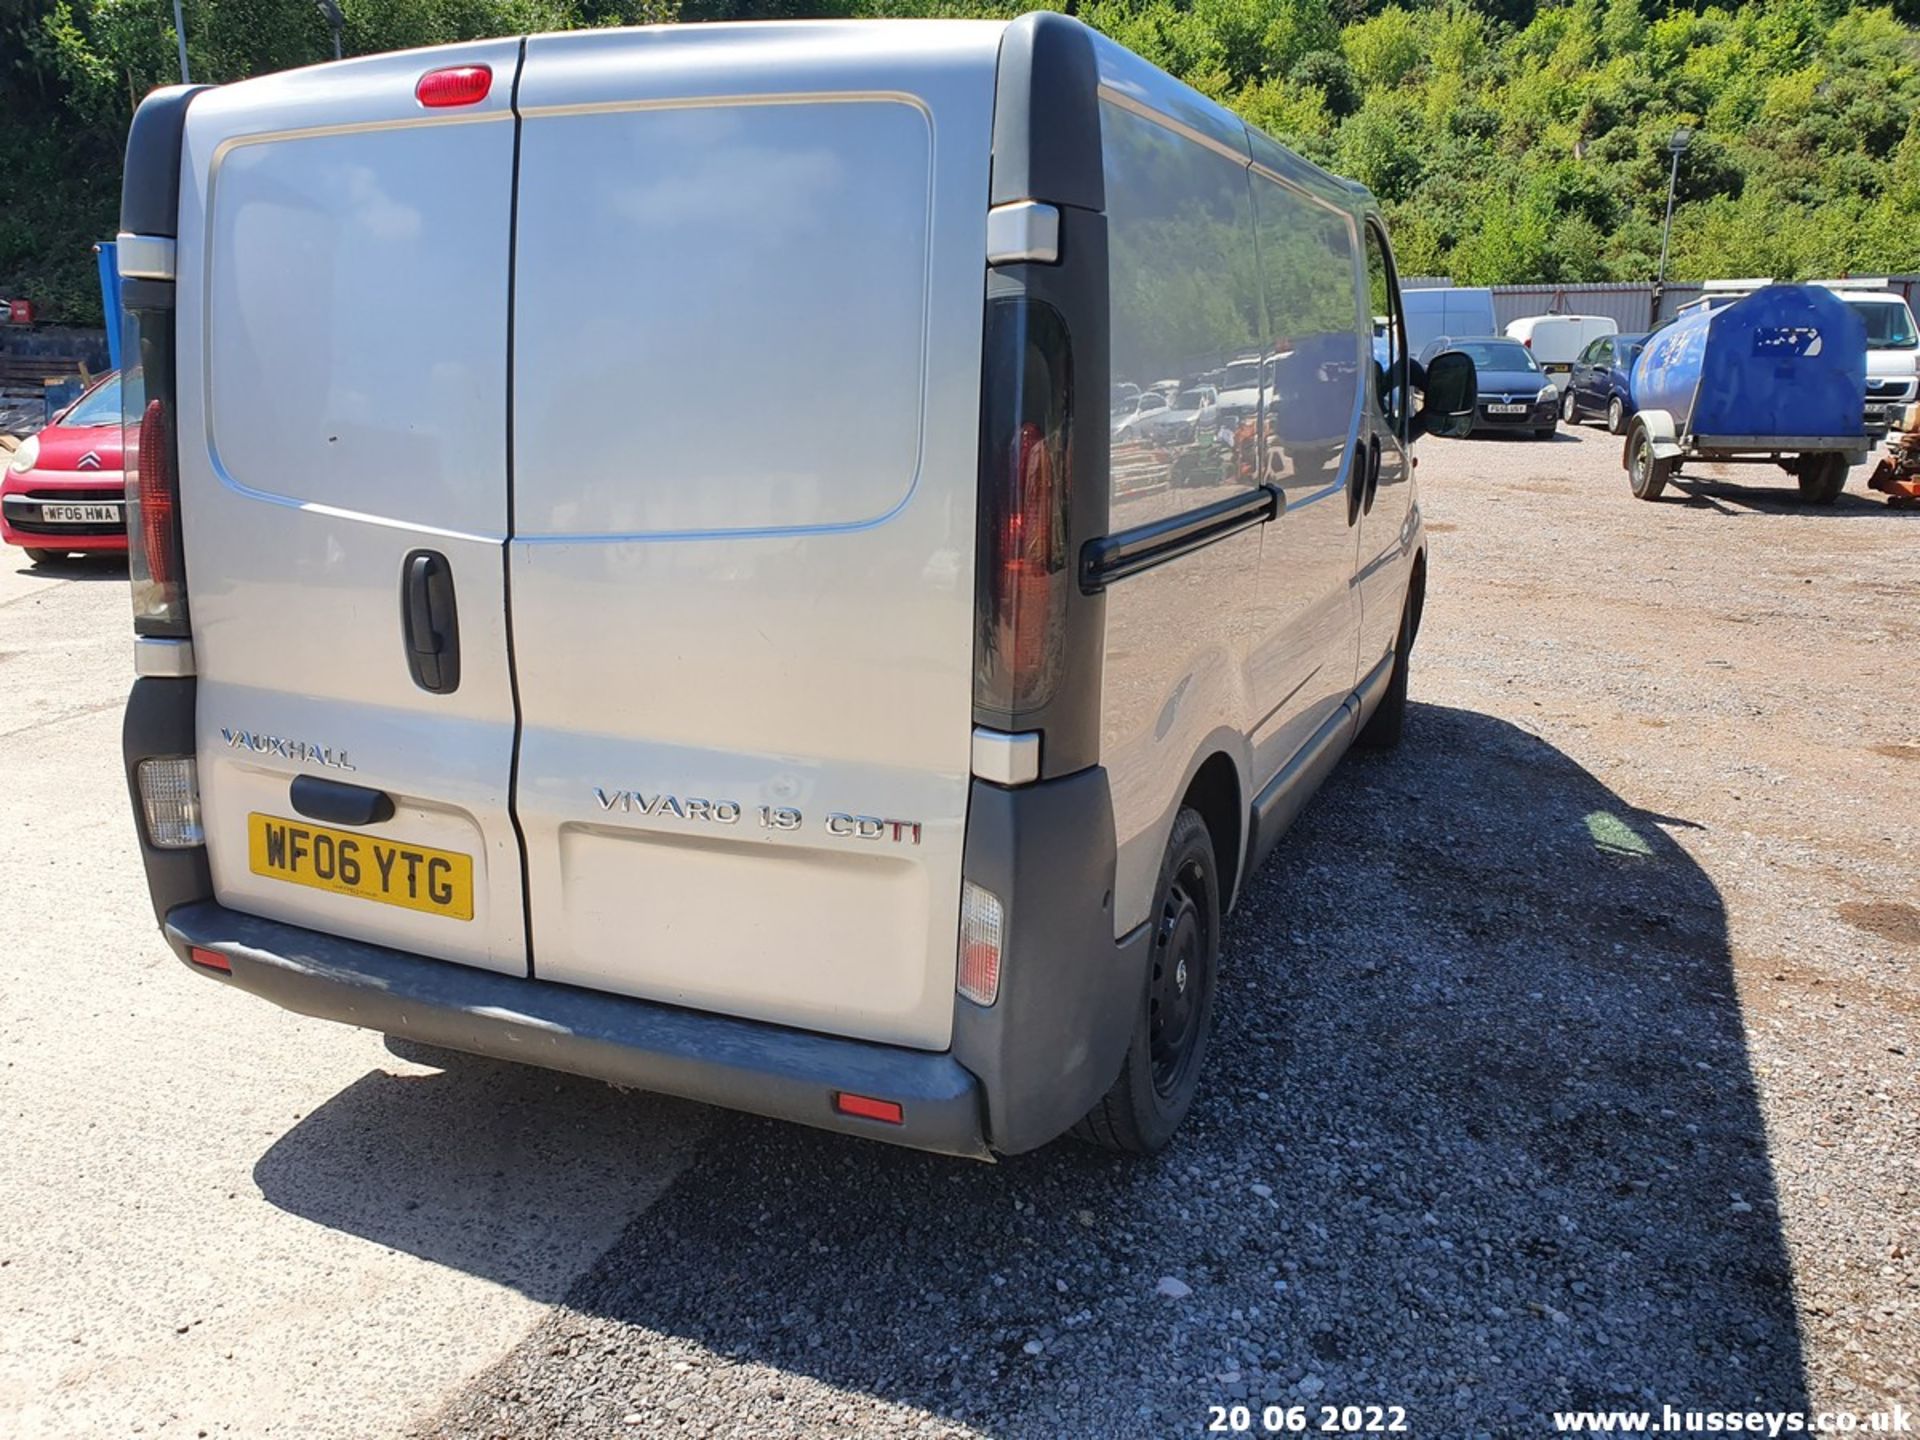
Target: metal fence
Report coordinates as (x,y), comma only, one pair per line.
(1629,304)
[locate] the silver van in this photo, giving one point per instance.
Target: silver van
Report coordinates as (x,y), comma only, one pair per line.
(879,750)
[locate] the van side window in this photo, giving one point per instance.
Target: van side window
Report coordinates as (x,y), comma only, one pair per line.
(1306,270)
(1186,320)
(1390,348)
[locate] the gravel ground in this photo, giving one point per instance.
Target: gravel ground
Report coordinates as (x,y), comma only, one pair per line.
(1565,1057)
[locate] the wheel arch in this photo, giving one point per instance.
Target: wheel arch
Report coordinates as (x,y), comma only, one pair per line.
(1216,788)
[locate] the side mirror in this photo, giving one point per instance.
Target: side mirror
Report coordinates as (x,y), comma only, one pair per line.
(1449,389)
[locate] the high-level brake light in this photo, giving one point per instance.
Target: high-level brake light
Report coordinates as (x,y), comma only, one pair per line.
(454,85)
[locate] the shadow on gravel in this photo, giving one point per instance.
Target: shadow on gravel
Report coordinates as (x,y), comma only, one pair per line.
(74,567)
(1730,497)
(1479,1138)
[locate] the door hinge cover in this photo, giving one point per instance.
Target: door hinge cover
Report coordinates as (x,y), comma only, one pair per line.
(1023,230)
(1006,759)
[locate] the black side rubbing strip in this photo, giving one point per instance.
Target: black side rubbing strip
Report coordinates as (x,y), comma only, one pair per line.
(334,802)
(1129,552)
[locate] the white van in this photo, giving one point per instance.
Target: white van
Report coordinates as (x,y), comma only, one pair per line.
(1893,348)
(1555,341)
(1463,312)
(868,755)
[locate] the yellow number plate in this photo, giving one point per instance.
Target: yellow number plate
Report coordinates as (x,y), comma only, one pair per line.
(439,882)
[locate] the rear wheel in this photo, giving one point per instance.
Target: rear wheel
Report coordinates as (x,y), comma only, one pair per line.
(1646,472)
(43,557)
(1569,408)
(1162,1069)
(1821,477)
(1616,416)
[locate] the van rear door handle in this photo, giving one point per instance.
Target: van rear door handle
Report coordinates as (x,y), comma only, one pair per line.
(430,621)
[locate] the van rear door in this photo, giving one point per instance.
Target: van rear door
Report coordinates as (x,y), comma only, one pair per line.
(342,406)
(749,291)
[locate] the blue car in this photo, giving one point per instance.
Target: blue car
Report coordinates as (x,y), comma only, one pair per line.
(1602,382)
(1516,395)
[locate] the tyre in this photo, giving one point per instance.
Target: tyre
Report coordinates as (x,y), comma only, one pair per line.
(1389,719)
(1162,1069)
(1647,474)
(1616,417)
(43,557)
(1569,408)
(1821,477)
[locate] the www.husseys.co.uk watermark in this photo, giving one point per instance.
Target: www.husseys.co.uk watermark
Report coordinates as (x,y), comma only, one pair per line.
(1669,1421)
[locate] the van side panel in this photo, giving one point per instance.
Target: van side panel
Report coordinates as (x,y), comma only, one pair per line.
(1302,667)
(749,292)
(1185,299)
(341,360)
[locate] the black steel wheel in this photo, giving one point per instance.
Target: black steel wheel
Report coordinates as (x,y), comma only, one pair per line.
(1161,1072)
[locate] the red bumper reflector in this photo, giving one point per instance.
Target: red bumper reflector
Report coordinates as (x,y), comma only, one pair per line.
(455,85)
(212,959)
(867,1108)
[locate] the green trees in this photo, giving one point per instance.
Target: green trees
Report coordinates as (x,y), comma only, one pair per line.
(1510,140)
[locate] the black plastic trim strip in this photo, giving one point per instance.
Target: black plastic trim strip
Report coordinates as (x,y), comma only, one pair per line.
(506,547)
(1115,557)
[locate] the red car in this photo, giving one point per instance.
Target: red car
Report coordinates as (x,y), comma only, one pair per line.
(65,488)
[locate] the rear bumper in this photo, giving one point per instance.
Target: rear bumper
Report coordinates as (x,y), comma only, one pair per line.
(1019,1073)
(741,1064)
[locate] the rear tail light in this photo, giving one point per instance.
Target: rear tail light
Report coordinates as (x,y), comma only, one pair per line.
(868,1108)
(155,562)
(1025,456)
(983,928)
(170,798)
(454,85)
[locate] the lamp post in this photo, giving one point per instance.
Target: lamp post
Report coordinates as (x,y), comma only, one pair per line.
(180,35)
(331,11)
(1676,146)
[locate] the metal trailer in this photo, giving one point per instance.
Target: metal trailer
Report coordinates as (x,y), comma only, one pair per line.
(1772,379)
